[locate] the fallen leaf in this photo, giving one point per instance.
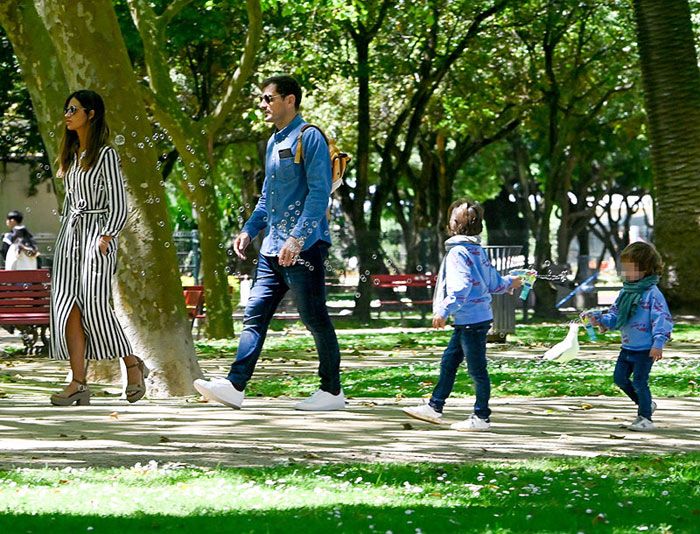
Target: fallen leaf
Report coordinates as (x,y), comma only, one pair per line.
(164,439)
(63,435)
(615,436)
(82,437)
(114,415)
(586,406)
(407,426)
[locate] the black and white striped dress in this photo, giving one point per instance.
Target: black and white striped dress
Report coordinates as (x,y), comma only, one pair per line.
(95,205)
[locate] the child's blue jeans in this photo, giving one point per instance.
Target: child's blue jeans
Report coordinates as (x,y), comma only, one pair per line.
(639,363)
(467,341)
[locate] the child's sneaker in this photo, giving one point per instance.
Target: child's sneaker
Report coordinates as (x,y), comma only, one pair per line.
(424,412)
(473,423)
(641,424)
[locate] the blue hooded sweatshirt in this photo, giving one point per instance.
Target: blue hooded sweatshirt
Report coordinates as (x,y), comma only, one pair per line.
(466,281)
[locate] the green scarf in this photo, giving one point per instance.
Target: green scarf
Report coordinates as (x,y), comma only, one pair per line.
(630,296)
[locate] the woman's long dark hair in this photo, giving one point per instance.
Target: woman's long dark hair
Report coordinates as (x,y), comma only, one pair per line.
(98,132)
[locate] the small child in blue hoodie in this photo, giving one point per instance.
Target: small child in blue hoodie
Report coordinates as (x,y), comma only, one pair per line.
(641,313)
(463,290)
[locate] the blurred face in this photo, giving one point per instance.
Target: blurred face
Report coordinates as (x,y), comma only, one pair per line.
(76,116)
(278,109)
(631,272)
(11,223)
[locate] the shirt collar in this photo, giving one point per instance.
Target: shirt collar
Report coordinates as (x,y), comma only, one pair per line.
(284,132)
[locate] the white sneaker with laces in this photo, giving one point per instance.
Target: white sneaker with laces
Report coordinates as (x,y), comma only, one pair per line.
(322,401)
(473,423)
(641,424)
(424,412)
(220,390)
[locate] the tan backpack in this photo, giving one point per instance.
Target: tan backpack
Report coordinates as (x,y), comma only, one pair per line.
(339,160)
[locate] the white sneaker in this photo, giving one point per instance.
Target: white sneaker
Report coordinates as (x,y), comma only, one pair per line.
(641,424)
(473,423)
(220,390)
(424,412)
(322,401)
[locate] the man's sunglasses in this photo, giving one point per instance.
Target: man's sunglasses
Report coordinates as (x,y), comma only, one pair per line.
(71,110)
(268,98)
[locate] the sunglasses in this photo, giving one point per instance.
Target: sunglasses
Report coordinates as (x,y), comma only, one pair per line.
(268,98)
(71,110)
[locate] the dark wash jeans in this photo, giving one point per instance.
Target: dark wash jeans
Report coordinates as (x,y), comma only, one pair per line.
(308,288)
(639,363)
(467,341)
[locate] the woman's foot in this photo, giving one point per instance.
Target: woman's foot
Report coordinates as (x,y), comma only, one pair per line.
(136,373)
(76,392)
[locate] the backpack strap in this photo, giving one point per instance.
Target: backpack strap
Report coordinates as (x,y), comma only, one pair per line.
(300,150)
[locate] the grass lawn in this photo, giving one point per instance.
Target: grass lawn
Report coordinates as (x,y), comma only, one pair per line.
(642,494)
(543,335)
(672,378)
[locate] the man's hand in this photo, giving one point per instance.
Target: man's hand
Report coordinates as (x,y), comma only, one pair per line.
(516,282)
(240,244)
(439,322)
(103,243)
(656,354)
(289,252)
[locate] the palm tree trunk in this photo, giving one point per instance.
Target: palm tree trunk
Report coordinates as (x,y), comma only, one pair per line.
(671,82)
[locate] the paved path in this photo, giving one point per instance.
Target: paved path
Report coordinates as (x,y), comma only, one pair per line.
(269,431)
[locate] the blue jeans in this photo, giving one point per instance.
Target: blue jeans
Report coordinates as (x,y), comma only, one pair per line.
(467,341)
(637,389)
(308,287)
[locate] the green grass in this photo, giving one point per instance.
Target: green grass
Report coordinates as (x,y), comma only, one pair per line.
(671,378)
(539,335)
(640,494)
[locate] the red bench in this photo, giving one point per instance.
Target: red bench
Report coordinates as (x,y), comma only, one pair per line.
(25,298)
(400,283)
(194,302)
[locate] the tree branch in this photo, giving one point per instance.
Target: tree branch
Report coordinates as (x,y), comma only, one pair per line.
(245,69)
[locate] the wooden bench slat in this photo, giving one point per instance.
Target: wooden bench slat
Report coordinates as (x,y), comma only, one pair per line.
(38,275)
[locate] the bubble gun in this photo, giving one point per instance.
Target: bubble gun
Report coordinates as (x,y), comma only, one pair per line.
(529,276)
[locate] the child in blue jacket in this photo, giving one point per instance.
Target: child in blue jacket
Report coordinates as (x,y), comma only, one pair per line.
(463,291)
(641,313)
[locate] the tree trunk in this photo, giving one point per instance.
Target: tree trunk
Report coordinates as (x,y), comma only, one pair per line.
(41,70)
(671,80)
(148,299)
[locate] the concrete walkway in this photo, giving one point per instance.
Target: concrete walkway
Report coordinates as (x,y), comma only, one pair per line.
(269,431)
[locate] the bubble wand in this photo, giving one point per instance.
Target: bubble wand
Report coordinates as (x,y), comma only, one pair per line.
(529,276)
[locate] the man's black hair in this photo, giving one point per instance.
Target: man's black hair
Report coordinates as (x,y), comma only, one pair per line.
(285,85)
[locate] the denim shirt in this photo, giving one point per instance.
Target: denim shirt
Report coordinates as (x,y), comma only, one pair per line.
(469,281)
(294,196)
(649,326)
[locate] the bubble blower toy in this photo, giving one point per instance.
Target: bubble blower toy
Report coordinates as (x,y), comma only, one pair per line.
(590,329)
(529,276)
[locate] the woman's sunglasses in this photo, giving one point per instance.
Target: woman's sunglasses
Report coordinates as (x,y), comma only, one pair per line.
(71,110)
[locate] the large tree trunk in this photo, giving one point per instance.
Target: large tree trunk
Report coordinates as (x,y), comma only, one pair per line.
(672,99)
(42,72)
(149,298)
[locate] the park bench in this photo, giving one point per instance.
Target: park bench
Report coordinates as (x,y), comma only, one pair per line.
(400,284)
(25,298)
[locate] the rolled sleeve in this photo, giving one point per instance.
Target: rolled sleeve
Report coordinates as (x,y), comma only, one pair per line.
(116,194)
(258,219)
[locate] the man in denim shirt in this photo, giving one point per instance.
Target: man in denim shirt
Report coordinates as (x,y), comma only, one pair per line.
(292,211)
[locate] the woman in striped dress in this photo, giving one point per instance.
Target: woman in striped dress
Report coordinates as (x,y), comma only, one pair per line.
(83,323)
